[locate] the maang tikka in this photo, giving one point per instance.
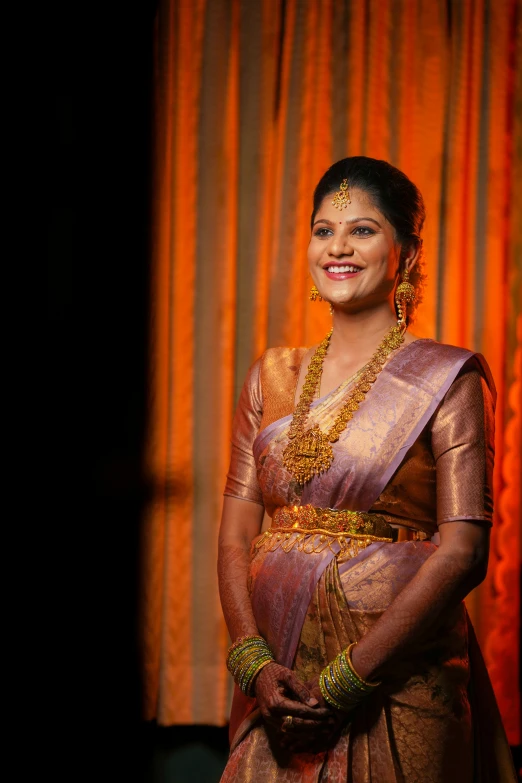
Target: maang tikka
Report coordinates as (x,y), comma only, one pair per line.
(342,197)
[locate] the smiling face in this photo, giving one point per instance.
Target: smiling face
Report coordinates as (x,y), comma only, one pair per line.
(353,253)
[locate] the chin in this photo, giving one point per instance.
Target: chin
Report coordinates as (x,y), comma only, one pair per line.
(341,302)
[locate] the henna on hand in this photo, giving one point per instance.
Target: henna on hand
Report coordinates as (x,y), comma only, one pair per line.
(280,693)
(337,718)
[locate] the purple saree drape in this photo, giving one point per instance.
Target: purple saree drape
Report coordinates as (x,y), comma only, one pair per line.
(309,606)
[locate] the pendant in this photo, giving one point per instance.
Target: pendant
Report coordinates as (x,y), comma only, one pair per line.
(308,455)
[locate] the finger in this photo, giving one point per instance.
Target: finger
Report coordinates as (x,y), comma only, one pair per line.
(299,689)
(297,710)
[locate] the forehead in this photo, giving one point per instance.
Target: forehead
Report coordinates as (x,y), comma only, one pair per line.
(361,204)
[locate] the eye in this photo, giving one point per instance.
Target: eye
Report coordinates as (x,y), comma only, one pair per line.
(323,232)
(363,231)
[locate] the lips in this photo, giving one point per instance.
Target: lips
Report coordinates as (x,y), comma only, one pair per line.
(341,271)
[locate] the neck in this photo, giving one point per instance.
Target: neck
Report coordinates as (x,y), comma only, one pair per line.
(360,332)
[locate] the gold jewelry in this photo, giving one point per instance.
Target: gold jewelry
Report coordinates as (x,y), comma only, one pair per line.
(314,294)
(312,530)
(245,659)
(404,295)
(340,684)
(309,453)
(287,722)
(331,309)
(331,520)
(342,197)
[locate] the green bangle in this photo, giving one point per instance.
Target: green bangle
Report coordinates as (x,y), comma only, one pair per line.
(252,643)
(340,684)
(346,678)
(349,692)
(246,686)
(236,660)
(243,642)
(245,659)
(329,698)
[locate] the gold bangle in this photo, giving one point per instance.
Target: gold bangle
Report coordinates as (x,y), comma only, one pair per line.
(348,657)
(241,647)
(326,688)
(245,659)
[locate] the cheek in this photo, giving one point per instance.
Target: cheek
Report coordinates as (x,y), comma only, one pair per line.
(314,251)
(383,256)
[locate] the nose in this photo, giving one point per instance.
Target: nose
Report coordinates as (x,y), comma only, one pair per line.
(340,244)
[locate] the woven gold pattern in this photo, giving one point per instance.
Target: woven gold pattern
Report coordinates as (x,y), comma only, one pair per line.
(279,376)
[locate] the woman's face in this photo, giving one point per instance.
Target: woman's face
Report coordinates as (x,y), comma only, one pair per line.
(353,254)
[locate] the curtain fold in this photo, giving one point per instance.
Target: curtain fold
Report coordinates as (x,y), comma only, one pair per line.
(254,99)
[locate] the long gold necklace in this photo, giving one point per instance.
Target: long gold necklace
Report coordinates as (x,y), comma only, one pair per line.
(310,453)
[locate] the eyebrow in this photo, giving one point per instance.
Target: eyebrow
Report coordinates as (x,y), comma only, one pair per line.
(350,220)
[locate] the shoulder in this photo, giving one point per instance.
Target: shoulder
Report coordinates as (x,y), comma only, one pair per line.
(280,364)
(285,356)
(276,368)
(442,351)
(472,383)
(278,375)
(449,358)
(471,363)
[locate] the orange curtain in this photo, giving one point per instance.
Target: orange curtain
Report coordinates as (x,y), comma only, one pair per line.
(254,99)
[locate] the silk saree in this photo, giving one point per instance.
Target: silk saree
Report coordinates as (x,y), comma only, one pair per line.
(418,451)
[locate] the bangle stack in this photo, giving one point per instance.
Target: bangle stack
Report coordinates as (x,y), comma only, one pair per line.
(245,659)
(340,684)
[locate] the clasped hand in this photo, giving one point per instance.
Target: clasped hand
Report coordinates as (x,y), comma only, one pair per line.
(280,695)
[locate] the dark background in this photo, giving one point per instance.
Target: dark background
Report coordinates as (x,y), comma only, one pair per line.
(99,107)
(99,228)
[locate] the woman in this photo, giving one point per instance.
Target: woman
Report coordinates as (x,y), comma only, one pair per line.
(352,651)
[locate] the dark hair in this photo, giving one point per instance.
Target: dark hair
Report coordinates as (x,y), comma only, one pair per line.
(390,191)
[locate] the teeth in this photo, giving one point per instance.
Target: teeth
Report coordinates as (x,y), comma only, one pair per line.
(341,269)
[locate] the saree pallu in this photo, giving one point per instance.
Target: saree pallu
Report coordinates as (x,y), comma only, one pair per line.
(434,718)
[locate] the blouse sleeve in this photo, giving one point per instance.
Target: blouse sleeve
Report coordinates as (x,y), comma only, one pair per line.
(463,443)
(242,475)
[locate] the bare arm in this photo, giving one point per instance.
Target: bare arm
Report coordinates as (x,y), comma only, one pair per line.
(458,565)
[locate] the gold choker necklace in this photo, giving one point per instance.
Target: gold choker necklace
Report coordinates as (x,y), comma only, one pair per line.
(310,453)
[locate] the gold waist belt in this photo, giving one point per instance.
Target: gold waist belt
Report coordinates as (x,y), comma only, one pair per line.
(312,530)
(334,522)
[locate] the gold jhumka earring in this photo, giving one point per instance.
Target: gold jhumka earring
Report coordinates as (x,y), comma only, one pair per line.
(342,197)
(315,295)
(404,295)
